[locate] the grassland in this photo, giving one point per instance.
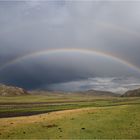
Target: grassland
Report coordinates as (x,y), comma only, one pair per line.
(80,117)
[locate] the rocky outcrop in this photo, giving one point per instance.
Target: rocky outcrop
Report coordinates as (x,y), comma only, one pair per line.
(11,91)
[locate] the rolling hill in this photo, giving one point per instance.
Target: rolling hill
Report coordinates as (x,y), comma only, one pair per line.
(82,93)
(97,93)
(132,93)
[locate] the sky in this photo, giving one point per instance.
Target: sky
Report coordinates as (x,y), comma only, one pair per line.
(70,45)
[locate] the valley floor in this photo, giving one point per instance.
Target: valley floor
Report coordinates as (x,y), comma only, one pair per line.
(105,119)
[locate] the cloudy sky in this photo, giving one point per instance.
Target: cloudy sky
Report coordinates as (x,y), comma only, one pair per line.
(89,44)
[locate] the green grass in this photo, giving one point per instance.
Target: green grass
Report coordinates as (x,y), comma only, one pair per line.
(57,98)
(99,118)
(43,98)
(109,123)
(30,98)
(23,108)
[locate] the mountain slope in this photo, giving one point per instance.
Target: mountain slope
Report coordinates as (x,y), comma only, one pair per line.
(11,91)
(132,93)
(96,93)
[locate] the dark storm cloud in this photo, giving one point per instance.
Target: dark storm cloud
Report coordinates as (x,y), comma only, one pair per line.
(29,26)
(44,71)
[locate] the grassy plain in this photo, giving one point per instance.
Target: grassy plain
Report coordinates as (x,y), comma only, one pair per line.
(69,117)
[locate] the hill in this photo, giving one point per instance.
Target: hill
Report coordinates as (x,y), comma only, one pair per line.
(132,93)
(97,93)
(82,93)
(11,91)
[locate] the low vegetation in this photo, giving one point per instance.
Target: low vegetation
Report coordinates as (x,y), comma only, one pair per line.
(79,116)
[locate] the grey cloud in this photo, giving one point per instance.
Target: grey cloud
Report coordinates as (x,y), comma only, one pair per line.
(113,84)
(30,26)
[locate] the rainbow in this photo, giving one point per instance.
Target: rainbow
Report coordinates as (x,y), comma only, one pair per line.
(71,50)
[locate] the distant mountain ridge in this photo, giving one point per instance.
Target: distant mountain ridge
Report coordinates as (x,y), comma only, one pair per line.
(12,91)
(97,93)
(16,91)
(86,93)
(132,93)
